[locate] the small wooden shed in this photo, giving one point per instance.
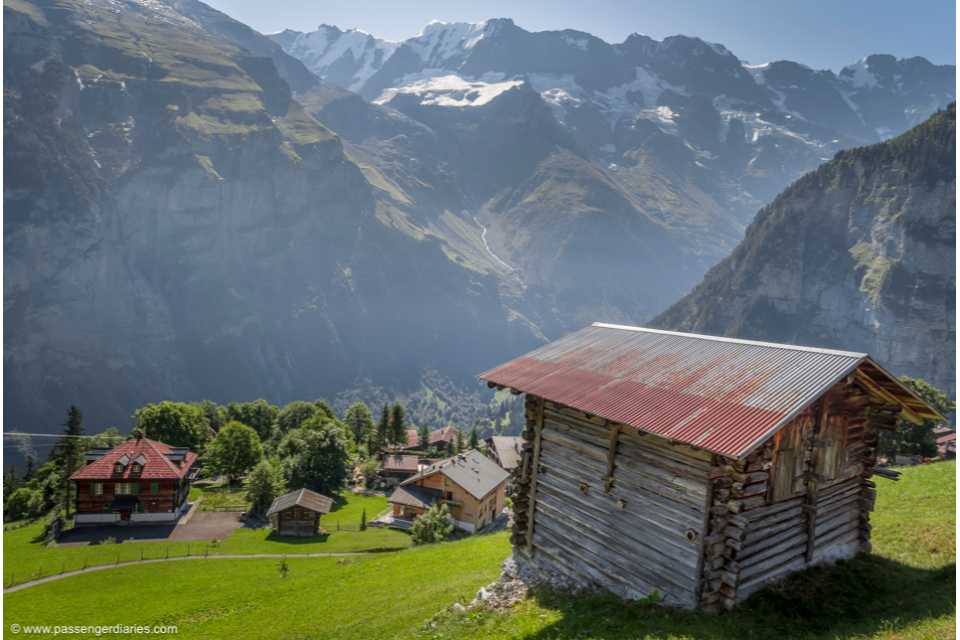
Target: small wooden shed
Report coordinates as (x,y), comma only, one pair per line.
(298,513)
(697,467)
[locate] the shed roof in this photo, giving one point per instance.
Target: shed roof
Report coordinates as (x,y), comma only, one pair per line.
(414,496)
(301,498)
(720,394)
(158,461)
(474,472)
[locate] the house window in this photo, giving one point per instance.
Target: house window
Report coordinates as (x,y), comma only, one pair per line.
(118,467)
(136,468)
(96,489)
(127,489)
(154,488)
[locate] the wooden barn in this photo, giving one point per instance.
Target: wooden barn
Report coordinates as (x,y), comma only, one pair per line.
(696,467)
(298,513)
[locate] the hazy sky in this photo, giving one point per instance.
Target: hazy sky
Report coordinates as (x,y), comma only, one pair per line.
(820,33)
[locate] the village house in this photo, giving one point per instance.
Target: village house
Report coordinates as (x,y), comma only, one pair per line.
(298,513)
(140,481)
(696,467)
(505,451)
(395,467)
(947,446)
(444,438)
(470,484)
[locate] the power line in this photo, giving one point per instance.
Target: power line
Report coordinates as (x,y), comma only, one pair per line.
(51,435)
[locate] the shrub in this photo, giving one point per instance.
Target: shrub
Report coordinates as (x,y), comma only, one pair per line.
(24,503)
(435,525)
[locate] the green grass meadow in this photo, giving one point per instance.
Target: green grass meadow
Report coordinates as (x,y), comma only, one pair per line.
(26,557)
(904,590)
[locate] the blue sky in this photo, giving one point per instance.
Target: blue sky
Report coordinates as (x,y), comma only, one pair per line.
(822,34)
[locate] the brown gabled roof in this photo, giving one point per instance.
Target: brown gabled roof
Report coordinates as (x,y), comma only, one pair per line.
(414,496)
(472,471)
(720,394)
(154,456)
(400,462)
(302,498)
(445,435)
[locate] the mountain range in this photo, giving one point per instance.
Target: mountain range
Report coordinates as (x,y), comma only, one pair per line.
(858,255)
(195,210)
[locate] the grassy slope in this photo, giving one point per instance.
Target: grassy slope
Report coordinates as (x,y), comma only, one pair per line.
(905,590)
(25,556)
(364,597)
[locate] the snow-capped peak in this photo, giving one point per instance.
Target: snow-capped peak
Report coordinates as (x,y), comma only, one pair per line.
(439,41)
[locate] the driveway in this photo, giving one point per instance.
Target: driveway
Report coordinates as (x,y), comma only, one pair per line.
(201,526)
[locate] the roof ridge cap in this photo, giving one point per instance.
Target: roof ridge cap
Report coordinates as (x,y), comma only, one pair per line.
(757,343)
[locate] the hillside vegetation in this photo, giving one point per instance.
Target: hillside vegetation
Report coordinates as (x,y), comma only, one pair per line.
(904,591)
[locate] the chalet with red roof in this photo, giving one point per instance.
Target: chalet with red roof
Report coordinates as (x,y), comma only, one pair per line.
(140,481)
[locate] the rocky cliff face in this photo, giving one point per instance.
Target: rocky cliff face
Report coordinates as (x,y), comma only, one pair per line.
(858,255)
(178,227)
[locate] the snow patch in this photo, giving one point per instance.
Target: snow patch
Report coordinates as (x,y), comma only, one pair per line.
(440,42)
(449,90)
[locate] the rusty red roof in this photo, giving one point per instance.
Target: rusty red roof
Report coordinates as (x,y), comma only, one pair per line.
(950,437)
(154,456)
(720,394)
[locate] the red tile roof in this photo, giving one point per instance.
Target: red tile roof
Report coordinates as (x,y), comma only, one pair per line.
(156,465)
(720,394)
(950,437)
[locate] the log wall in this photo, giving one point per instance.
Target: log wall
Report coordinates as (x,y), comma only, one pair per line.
(604,506)
(802,498)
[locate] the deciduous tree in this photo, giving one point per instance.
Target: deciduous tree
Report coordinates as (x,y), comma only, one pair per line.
(264,483)
(234,451)
(178,424)
(315,456)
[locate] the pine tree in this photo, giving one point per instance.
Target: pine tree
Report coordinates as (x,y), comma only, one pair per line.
(459,443)
(363,520)
(474,438)
(382,433)
(398,425)
(68,453)
(423,437)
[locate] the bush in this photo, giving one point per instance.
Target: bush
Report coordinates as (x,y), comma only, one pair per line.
(435,525)
(24,503)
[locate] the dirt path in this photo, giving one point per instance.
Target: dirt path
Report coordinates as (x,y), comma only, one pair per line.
(222,556)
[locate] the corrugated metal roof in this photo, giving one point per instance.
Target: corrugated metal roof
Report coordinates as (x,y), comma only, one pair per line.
(719,394)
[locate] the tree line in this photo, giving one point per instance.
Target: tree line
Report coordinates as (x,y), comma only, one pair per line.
(272,449)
